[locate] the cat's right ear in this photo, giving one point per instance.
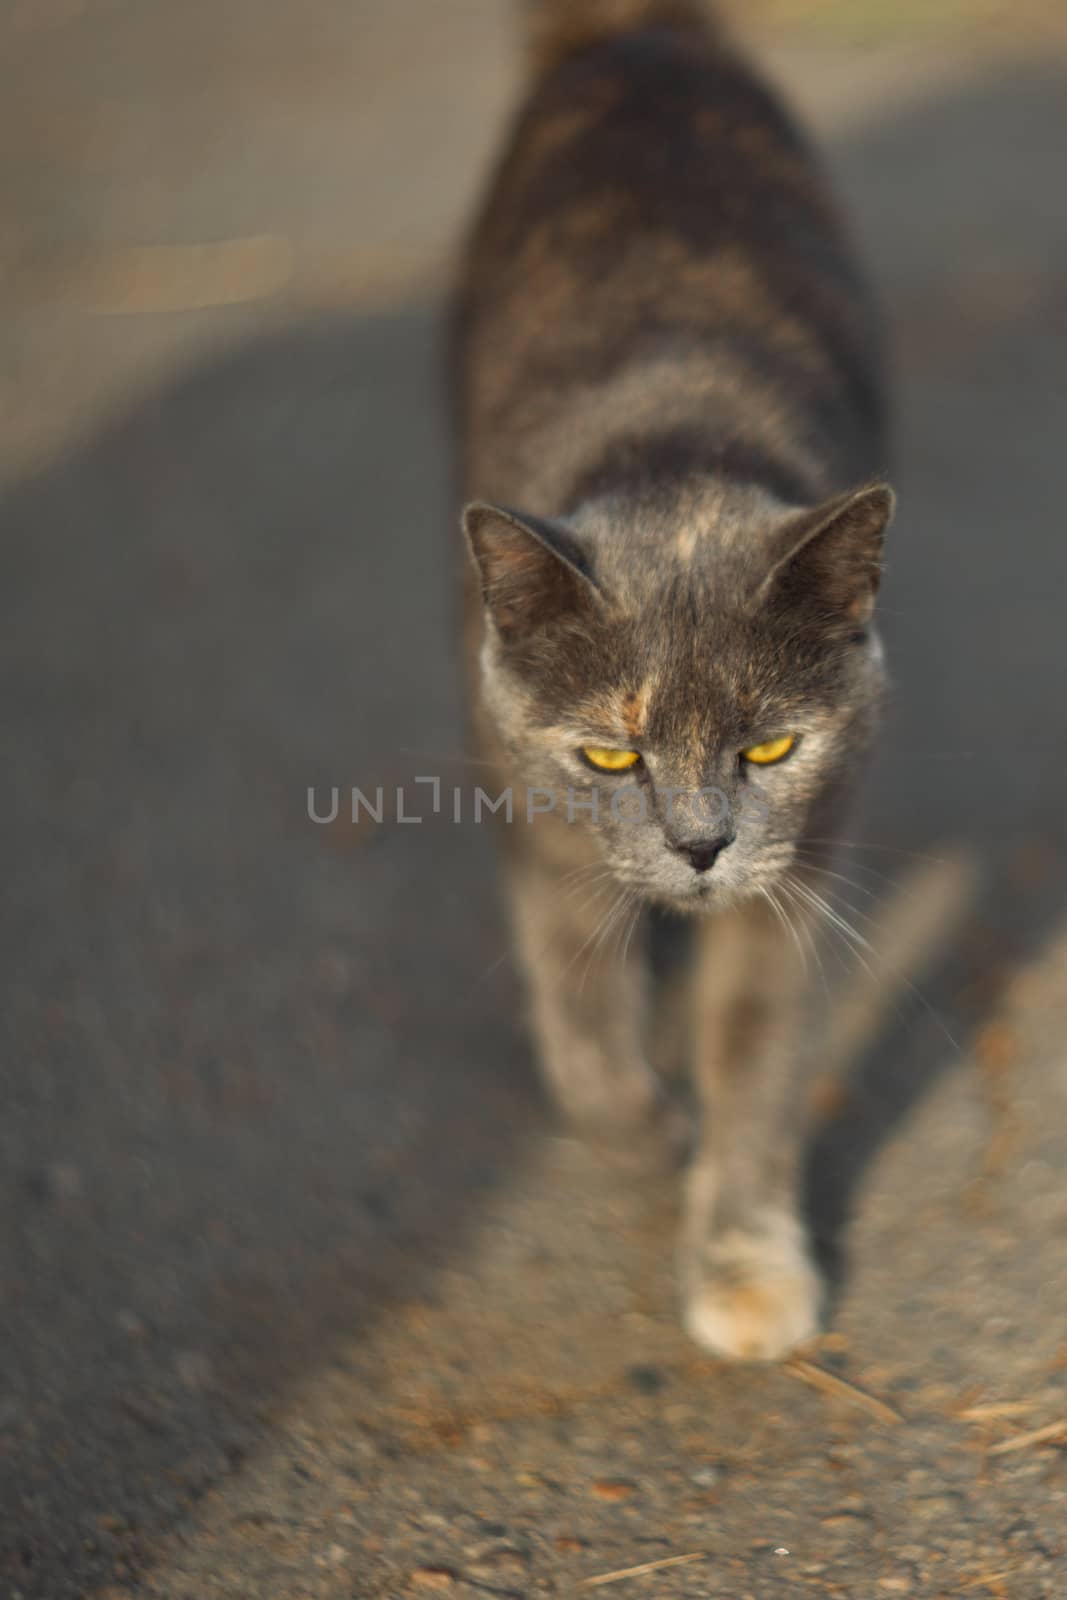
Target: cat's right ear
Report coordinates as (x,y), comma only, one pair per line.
(533,571)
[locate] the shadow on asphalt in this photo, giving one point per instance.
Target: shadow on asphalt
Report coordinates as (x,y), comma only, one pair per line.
(953,202)
(258,1071)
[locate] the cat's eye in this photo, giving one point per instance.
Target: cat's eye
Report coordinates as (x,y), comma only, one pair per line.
(610,760)
(765,755)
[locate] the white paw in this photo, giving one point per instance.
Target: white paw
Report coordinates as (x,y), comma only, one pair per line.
(758,1294)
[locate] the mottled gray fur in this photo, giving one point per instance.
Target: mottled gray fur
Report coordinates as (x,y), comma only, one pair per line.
(671,428)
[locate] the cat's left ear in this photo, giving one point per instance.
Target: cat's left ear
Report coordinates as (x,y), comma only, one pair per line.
(832,555)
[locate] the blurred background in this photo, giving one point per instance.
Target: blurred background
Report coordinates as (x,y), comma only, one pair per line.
(301,1290)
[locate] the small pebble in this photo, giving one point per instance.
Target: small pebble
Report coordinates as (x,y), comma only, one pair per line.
(847,1522)
(933,1507)
(433,1578)
(613,1489)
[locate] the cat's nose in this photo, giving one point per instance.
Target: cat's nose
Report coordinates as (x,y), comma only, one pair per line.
(703,853)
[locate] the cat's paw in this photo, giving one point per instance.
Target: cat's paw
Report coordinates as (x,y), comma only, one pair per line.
(757,1295)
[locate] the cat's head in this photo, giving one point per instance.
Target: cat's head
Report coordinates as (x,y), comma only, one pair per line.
(690,679)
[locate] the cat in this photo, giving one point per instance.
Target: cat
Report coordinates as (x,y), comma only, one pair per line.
(667,374)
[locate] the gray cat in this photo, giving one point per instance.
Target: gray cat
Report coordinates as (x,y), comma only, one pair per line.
(667,375)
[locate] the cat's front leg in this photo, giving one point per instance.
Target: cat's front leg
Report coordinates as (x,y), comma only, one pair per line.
(585,968)
(752,1291)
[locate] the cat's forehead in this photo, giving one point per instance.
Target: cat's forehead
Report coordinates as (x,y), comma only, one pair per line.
(705,687)
(667,676)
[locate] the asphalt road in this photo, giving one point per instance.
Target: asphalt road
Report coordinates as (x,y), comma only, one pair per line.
(301,1292)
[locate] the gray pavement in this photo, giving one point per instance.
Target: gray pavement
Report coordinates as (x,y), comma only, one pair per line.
(302,1293)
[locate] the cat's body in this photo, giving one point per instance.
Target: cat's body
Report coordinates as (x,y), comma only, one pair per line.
(668,389)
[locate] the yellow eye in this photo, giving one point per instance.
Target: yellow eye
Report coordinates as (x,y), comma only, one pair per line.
(765,755)
(610,760)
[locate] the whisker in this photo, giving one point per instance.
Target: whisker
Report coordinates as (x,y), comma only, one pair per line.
(591,869)
(805,924)
(886,849)
(834,917)
(842,877)
(772,900)
(836,924)
(813,860)
(805,919)
(858,944)
(611,922)
(598,929)
(635,917)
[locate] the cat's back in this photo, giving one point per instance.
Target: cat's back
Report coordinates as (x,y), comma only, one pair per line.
(658,248)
